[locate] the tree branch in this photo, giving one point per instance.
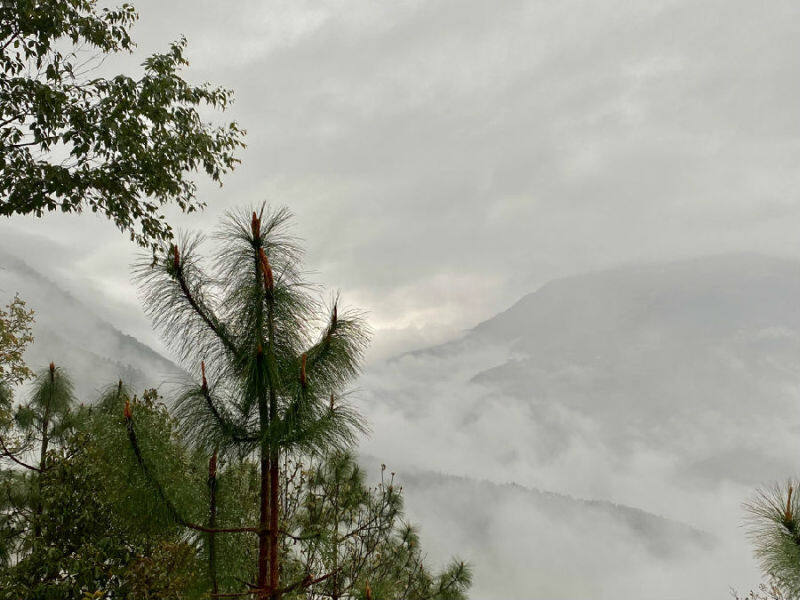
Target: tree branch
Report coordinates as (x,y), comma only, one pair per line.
(208,319)
(306,582)
(228,427)
(8,454)
(167,502)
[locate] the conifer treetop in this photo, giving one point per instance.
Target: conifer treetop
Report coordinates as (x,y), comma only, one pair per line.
(214,314)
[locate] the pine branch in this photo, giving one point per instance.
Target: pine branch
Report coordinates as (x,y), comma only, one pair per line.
(307,581)
(176,516)
(227,427)
(8,454)
(203,312)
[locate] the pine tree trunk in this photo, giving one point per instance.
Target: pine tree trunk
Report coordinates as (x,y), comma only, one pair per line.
(274,450)
(212,523)
(265,386)
(37,523)
(263,525)
(274,511)
(264,534)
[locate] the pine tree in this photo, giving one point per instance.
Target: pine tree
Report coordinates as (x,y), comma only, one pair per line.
(265,384)
(38,426)
(357,532)
(46,419)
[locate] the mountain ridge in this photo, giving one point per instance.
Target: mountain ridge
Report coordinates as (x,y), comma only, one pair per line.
(70,333)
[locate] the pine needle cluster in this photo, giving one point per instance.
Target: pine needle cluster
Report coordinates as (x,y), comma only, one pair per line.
(252,329)
(774,526)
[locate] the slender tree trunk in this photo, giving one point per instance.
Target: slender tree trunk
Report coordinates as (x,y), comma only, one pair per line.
(274,456)
(264,533)
(268,564)
(263,525)
(274,511)
(265,383)
(37,522)
(212,522)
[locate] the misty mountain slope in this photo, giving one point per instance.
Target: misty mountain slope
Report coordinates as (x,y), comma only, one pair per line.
(69,333)
(559,538)
(710,296)
(455,496)
(674,351)
(697,359)
(674,388)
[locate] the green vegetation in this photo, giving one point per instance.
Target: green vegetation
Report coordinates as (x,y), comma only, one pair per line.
(71,138)
(64,529)
(88,521)
(775,532)
(15,336)
(247,487)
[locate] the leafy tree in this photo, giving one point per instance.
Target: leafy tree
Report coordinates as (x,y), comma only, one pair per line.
(71,139)
(267,383)
(15,336)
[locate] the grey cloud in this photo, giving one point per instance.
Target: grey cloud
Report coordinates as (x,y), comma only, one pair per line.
(508,143)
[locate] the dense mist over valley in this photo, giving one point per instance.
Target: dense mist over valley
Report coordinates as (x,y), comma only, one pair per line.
(606,427)
(650,386)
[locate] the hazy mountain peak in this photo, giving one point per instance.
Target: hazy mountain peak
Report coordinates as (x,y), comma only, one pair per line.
(697,297)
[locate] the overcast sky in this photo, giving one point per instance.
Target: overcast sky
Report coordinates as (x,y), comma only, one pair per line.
(445,158)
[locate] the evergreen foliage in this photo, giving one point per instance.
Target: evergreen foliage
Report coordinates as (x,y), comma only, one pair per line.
(267,384)
(93,524)
(71,139)
(357,533)
(764,592)
(271,367)
(775,531)
(72,529)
